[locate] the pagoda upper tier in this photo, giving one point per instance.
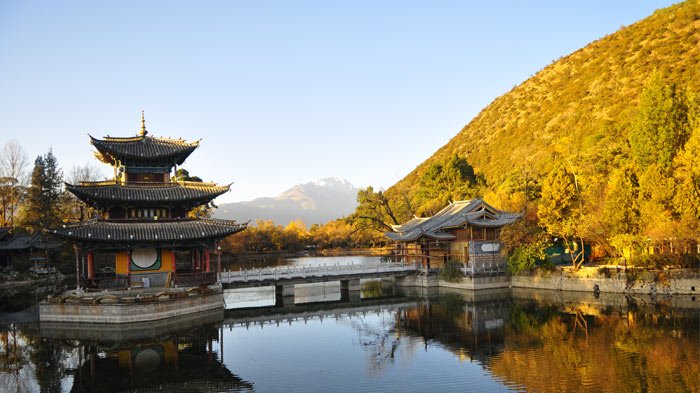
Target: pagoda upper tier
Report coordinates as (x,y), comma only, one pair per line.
(143,151)
(107,194)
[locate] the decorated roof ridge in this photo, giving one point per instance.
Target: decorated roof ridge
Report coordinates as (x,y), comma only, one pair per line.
(456,214)
(139,138)
(143,150)
(95,220)
(412,221)
(172,183)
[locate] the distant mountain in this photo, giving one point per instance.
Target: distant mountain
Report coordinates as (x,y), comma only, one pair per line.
(315,202)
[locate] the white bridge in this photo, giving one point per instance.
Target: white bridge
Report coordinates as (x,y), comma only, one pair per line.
(300,274)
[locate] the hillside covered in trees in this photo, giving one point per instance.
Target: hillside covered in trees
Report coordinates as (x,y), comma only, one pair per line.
(601,145)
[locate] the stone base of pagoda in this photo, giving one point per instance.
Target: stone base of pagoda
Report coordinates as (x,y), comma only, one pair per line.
(120,332)
(116,307)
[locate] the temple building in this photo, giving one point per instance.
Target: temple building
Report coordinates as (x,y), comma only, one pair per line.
(144,217)
(464,231)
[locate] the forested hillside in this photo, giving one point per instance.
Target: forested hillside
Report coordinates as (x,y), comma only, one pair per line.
(617,118)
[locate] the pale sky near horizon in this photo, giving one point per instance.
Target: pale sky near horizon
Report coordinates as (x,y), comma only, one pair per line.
(280,92)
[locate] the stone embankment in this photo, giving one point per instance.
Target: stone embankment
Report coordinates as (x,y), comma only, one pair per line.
(586,279)
(613,280)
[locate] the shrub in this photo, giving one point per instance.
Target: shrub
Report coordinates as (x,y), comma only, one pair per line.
(526,257)
(451,271)
(605,271)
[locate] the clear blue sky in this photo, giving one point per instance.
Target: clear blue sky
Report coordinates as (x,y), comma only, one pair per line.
(280,92)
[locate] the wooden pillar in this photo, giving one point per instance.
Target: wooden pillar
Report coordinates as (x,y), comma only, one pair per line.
(221,340)
(427,254)
(471,244)
(90,265)
(218,259)
(173,265)
(77,266)
(207,259)
(92,361)
(128,269)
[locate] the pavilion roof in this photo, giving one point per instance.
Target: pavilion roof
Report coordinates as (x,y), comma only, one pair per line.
(142,148)
(147,231)
(457,214)
(112,192)
(27,241)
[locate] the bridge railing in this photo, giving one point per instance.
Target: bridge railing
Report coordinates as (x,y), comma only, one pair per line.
(287,272)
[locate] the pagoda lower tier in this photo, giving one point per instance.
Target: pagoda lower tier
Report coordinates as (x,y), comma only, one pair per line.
(119,235)
(145,251)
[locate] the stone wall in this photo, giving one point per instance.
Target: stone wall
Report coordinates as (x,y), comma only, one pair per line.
(417,280)
(586,279)
(476,283)
(594,279)
(134,312)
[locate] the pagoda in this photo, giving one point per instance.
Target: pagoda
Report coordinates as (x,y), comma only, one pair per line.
(144,217)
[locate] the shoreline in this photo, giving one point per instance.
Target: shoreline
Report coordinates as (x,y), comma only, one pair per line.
(594,280)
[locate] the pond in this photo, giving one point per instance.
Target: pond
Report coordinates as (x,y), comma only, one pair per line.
(385,340)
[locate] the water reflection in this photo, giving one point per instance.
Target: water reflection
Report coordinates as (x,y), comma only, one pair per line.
(383,339)
(183,362)
(600,344)
(322,292)
(177,356)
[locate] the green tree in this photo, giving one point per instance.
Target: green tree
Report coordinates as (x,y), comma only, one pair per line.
(374,211)
(442,182)
(43,202)
(686,200)
(182,175)
(662,124)
(561,211)
(524,243)
(621,206)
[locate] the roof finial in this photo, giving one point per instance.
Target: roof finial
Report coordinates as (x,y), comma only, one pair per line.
(143,124)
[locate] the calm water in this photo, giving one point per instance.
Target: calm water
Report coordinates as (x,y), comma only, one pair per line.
(382,339)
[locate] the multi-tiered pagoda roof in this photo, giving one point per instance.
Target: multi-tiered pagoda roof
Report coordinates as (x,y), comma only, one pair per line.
(143,204)
(143,149)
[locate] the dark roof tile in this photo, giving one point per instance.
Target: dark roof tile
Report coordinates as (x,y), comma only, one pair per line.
(143,148)
(110,193)
(153,231)
(474,212)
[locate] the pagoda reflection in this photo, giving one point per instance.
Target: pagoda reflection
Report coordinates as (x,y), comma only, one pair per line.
(184,360)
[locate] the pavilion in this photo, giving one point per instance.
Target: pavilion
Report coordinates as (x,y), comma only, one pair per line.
(464,231)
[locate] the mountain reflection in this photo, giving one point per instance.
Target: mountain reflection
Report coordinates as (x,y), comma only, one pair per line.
(533,343)
(593,345)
